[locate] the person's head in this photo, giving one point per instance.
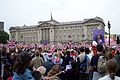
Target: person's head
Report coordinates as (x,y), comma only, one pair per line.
(109,55)
(50,56)
(22,62)
(111,66)
(87,51)
(113,50)
(36,75)
(12,56)
(68,53)
(99,47)
(42,70)
(72,51)
(82,49)
(12,50)
(99,36)
(55,69)
(40,49)
(55,50)
(37,53)
(94,43)
(56,54)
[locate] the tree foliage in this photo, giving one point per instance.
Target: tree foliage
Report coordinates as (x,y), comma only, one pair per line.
(4,36)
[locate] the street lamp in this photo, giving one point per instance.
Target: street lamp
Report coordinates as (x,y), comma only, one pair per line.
(109,26)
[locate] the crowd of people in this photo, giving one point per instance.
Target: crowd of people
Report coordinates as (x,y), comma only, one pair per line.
(96,62)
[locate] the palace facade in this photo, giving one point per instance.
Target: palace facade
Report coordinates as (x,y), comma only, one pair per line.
(52,31)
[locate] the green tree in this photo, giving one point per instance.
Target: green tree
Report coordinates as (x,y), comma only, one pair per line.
(4,36)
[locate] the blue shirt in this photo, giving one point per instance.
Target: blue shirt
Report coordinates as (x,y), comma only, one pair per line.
(26,76)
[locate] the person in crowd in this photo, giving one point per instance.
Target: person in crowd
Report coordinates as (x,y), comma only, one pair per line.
(117,58)
(99,39)
(94,49)
(41,52)
(7,71)
(67,60)
(87,51)
(63,65)
(73,53)
(71,74)
(54,71)
(42,71)
(3,51)
(84,64)
(113,50)
(45,54)
(67,70)
(94,63)
(112,67)
(36,74)
(109,55)
(57,59)
(37,60)
(7,62)
(22,67)
(48,64)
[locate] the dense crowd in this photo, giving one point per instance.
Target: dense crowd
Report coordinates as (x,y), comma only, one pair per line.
(96,62)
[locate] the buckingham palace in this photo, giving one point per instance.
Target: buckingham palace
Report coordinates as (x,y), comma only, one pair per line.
(52,31)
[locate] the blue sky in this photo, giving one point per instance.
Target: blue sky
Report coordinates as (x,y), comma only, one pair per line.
(29,12)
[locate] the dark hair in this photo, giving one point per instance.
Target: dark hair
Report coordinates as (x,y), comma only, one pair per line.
(22,62)
(55,50)
(72,51)
(40,49)
(12,50)
(113,49)
(82,49)
(87,50)
(55,69)
(99,48)
(36,75)
(117,52)
(68,53)
(111,66)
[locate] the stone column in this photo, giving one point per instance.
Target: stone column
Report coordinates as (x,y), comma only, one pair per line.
(16,36)
(39,35)
(85,32)
(51,35)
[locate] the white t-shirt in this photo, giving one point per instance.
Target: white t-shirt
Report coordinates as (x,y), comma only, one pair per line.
(108,78)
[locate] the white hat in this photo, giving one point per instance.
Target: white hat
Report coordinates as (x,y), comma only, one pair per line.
(41,69)
(94,43)
(114,47)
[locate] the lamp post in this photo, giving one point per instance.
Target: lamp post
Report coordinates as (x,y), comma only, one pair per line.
(109,26)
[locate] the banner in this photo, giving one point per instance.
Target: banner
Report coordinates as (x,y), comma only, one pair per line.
(98,36)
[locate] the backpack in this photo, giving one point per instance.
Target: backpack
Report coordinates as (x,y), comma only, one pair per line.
(117,58)
(83,64)
(101,64)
